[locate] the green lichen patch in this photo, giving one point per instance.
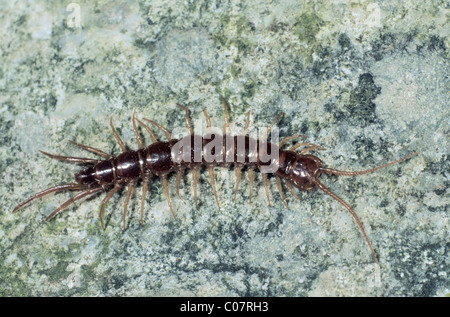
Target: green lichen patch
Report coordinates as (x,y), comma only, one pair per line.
(307,26)
(361,106)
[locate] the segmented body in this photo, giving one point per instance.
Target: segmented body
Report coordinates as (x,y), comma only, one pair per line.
(300,170)
(157,160)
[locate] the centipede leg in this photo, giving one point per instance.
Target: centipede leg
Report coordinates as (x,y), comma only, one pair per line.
(194,184)
(166,192)
(144,195)
(116,135)
(163,129)
(71,159)
(265,134)
(287,139)
(188,120)
(247,122)
(208,119)
(150,131)
(191,132)
(179,176)
(91,149)
(69,202)
(136,132)
(54,189)
(291,190)
(306,150)
(238,180)
(226,116)
(266,187)
(280,190)
(213,184)
(105,200)
(251,177)
(130,188)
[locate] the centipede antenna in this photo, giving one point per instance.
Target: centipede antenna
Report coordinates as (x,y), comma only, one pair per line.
(265,134)
(116,135)
(291,190)
(69,202)
(144,195)
(194,184)
(71,159)
(238,173)
(312,147)
(149,130)
(226,116)
(166,192)
(136,132)
(287,139)
(92,149)
(188,120)
(130,187)
(251,177)
(266,187)
(179,176)
(213,184)
(327,191)
(45,192)
(370,170)
(164,130)
(105,200)
(280,190)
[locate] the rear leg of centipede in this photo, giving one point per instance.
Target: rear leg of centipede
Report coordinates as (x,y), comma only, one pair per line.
(54,189)
(71,159)
(72,200)
(63,187)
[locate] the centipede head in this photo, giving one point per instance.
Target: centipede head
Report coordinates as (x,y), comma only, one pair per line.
(305,171)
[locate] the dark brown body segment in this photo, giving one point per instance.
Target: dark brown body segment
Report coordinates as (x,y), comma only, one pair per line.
(158,158)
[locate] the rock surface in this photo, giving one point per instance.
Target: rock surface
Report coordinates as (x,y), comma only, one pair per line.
(366,80)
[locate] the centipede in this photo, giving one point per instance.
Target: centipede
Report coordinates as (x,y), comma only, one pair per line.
(295,167)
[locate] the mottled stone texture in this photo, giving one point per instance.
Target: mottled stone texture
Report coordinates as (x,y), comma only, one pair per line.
(367,80)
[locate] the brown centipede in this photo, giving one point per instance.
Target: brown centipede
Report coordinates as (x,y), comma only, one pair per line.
(298,169)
